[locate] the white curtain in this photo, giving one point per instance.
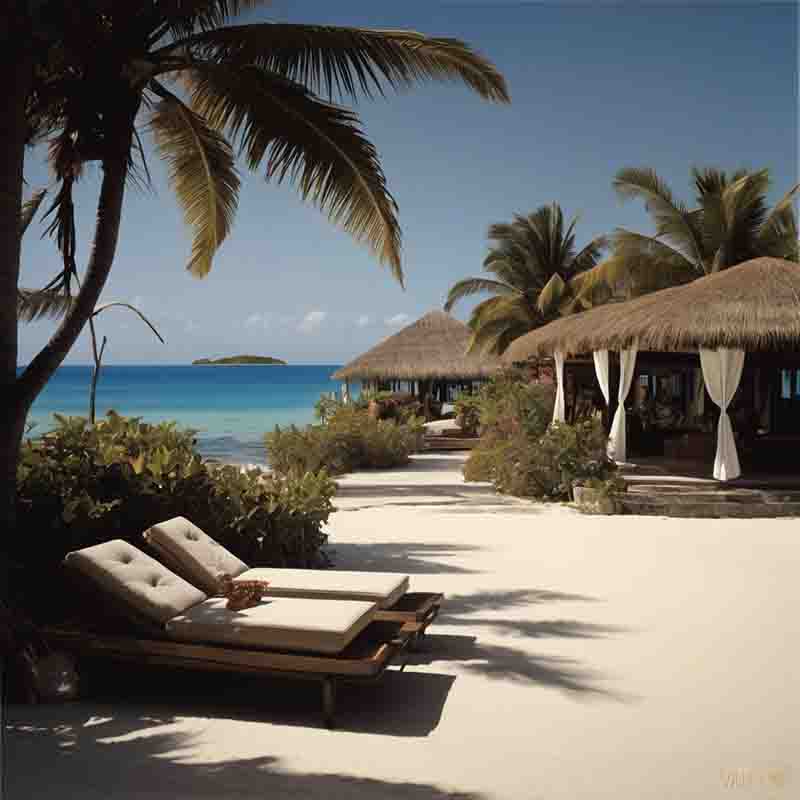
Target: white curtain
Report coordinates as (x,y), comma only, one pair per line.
(722,371)
(559,411)
(601,370)
(617,439)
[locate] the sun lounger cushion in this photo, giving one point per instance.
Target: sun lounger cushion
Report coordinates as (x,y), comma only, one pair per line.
(203,560)
(135,579)
(383,588)
(275,624)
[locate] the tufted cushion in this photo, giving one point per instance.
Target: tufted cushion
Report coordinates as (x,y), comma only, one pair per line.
(136,579)
(203,560)
(281,623)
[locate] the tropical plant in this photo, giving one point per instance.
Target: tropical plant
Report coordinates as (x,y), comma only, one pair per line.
(97,352)
(729,222)
(82,74)
(350,439)
(83,484)
(537,272)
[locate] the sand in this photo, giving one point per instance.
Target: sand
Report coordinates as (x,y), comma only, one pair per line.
(577,657)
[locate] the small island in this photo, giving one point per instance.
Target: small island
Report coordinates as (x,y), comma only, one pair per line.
(239,360)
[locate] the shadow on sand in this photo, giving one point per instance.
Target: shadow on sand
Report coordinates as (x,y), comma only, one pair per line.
(120,752)
(413,558)
(500,611)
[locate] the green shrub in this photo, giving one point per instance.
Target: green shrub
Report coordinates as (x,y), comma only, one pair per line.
(468,413)
(349,440)
(522,453)
(82,485)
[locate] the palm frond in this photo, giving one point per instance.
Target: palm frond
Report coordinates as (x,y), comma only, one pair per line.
(470,286)
(318,146)
(179,19)
(345,62)
(588,258)
(29,209)
(778,234)
(552,294)
(33,304)
(673,219)
(130,307)
(203,174)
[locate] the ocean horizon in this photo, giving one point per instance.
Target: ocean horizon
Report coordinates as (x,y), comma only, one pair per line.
(230,406)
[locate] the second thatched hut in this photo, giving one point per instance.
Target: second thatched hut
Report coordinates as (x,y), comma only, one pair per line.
(426,358)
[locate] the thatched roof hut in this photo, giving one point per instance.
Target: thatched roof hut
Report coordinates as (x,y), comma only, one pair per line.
(754,306)
(432,348)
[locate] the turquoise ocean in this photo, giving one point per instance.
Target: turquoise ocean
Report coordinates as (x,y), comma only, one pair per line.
(230,407)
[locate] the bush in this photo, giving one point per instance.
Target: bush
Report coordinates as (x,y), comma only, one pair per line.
(468,413)
(82,485)
(522,453)
(349,440)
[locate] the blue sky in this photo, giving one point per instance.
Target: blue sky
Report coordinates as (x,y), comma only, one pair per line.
(594,87)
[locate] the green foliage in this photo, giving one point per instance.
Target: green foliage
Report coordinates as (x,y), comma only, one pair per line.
(728,222)
(522,453)
(468,413)
(83,484)
(533,272)
(349,440)
(326,407)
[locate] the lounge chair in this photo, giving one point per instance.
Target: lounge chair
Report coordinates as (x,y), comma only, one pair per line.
(148,614)
(201,560)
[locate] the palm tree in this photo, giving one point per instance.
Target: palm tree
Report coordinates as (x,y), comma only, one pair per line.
(207,90)
(729,223)
(537,274)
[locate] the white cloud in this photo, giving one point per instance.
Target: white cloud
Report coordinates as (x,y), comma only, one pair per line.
(398,320)
(312,321)
(363,320)
(255,321)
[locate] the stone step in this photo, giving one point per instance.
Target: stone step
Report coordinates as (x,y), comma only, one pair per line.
(706,507)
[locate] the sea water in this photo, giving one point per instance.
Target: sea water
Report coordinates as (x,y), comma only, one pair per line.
(230,407)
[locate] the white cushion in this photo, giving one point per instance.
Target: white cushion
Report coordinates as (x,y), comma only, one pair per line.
(193,553)
(203,560)
(136,579)
(383,588)
(281,623)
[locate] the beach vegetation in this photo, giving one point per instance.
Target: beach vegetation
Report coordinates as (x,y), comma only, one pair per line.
(350,439)
(92,79)
(523,453)
(83,484)
(728,222)
(534,271)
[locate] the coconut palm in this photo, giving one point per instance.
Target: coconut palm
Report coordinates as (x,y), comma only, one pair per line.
(536,274)
(730,222)
(206,90)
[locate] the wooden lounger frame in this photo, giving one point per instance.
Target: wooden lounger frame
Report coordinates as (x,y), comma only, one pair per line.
(364,660)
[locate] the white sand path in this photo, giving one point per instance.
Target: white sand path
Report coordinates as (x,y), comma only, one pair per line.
(577,657)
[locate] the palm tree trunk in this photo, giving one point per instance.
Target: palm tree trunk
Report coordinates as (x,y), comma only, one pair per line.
(16,64)
(109,216)
(19,394)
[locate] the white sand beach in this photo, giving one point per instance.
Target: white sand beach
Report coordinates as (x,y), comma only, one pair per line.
(576,657)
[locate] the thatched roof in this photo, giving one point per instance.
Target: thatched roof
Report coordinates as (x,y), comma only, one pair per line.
(752,306)
(434,346)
